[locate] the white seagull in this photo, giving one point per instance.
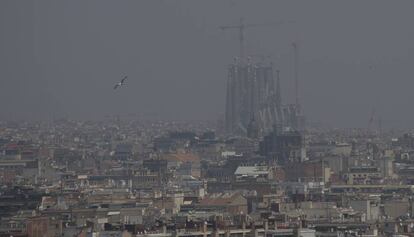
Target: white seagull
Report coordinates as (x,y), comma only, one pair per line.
(120,83)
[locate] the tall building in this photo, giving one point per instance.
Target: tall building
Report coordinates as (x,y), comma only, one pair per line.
(293,117)
(283,146)
(251,94)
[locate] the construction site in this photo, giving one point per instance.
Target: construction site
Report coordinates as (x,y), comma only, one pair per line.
(254,104)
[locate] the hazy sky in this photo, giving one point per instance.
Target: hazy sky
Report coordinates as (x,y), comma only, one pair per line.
(62,58)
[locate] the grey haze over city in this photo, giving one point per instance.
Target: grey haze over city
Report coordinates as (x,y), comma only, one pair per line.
(62,58)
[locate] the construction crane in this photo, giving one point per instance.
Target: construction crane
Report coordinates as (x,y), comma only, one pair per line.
(241,27)
(296,70)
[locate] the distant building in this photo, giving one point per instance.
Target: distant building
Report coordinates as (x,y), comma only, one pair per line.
(370,208)
(233,203)
(307,172)
(254,95)
(252,172)
(28,170)
(156,165)
(363,175)
(253,129)
(251,92)
(283,146)
(43,226)
(123,151)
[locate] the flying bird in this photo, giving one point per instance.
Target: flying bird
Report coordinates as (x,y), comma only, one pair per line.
(120,83)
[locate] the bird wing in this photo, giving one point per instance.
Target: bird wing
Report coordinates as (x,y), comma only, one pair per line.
(123,79)
(116,86)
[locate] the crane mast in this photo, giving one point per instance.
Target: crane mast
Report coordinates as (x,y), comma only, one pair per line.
(296,69)
(241,27)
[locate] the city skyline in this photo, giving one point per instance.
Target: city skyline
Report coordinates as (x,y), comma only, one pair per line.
(218,118)
(61,58)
